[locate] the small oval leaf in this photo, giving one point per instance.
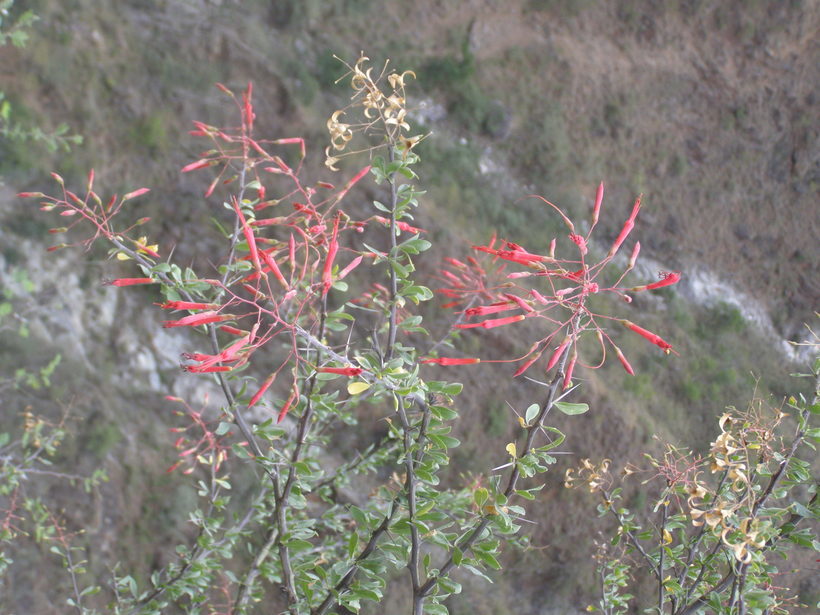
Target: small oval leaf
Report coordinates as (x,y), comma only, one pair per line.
(568,408)
(571,409)
(354,388)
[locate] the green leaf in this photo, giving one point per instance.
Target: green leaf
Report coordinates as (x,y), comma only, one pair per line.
(531,413)
(452,388)
(458,555)
(571,409)
(359,517)
(352,543)
(480,496)
(487,559)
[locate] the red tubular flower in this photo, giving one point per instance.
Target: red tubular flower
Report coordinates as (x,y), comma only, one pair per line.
(521,303)
(401,225)
(527,364)
(265,386)
(599,197)
(206,369)
(198,319)
(628,226)
(667,279)
(333,248)
(287,405)
(130,282)
(199,164)
(187,305)
(136,193)
(354,180)
(494,322)
(353,264)
(655,339)
(483,310)
(634,257)
(558,352)
(451,361)
(271,263)
(522,257)
(342,371)
(568,373)
(206,361)
(624,362)
(249,237)
(249,115)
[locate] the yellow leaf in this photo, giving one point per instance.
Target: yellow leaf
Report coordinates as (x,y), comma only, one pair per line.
(123,257)
(667,537)
(354,388)
(510,448)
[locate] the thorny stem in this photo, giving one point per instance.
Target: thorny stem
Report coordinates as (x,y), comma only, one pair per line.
(633,540)
(693,547)
(703,567)
(198,555)
(394,283)
(347,468)
(333,595)
(466,543)
(78,600)
(664,513)
(243,594)
(281,497)
(410,485)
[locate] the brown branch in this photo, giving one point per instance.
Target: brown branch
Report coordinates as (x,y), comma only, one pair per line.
(466,543)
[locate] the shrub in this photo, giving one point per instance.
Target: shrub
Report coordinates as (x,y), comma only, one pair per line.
(273,325)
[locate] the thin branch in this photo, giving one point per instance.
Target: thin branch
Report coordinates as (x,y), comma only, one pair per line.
(332,597)
(633,540)
(281,497)
(664,513)
(410,486)
(243,594)
(466,543)
(394,280)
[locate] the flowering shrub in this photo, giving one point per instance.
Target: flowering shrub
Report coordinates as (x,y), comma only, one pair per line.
(273,324)
(720,519)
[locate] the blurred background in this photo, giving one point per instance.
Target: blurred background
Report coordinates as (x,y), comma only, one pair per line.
(708,108)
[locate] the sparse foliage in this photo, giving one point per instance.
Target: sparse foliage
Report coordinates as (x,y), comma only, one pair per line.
(323,528)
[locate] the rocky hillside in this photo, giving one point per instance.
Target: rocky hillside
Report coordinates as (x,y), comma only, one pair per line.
(706,107)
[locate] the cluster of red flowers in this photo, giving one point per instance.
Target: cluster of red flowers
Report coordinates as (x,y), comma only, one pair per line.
(283,265)
(561,299)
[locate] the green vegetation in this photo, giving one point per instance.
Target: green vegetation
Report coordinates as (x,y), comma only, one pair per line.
(558,110)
